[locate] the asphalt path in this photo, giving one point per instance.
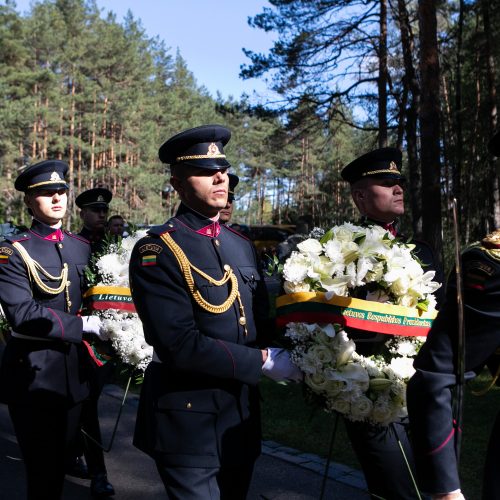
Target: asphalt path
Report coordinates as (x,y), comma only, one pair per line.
(134,475)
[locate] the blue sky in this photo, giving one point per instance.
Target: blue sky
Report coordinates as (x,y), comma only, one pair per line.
(209,34)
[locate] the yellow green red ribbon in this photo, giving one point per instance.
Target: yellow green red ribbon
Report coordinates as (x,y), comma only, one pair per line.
(314,307)
(98,298)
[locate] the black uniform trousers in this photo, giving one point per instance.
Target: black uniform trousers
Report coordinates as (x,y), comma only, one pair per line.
(94,454)
(379,454)
(46,434)
(198,483)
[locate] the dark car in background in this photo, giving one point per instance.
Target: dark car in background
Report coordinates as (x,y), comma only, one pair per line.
(267,237)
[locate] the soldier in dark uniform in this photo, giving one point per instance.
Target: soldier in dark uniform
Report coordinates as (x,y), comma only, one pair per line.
(377,188)
(200,296)
(430,389)
(227,212)
(43,376)
(94,205)
(116,227)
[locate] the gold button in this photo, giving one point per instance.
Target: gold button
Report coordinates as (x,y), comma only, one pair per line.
(189,406)
(227,267)
(243,321)
(217,242)
(60,245)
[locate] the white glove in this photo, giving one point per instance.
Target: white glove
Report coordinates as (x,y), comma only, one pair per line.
(92,324)
(278,366)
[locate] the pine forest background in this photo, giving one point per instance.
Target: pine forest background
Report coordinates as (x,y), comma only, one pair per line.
(348,76)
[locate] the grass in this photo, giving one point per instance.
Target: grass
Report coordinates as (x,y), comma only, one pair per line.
(289,420)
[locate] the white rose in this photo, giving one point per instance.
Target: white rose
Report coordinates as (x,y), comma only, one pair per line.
(316,381)
(322,353)
(342,404)
(334,387)
(310,246)
(361,407)
(343,233)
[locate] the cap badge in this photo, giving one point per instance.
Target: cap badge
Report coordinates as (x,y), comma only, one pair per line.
(213,149)
(393,166)
(55,177)
(100,198)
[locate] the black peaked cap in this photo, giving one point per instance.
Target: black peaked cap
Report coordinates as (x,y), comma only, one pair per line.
(201,147)
(96,197)
(379,163)
(47,174)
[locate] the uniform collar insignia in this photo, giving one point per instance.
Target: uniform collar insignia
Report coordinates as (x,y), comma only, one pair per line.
(212,230)
(57,235)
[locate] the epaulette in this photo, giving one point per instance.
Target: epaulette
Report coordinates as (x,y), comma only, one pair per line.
(494,253)
(77,237)
(236,232)
(168,227)
(12,238)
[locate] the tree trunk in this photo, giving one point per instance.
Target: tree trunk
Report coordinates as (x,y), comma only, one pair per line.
(457,161)
(71,152)
(382,77)
(492,177)
(430,126)
(411,82)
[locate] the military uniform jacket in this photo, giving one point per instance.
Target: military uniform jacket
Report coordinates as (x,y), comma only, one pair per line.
(199,403)
(97,246)
(45,354)
(429,390)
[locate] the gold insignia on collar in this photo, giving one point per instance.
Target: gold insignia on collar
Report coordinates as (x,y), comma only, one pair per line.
(6,251)
(55,177)
(393,166)
(213,149)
